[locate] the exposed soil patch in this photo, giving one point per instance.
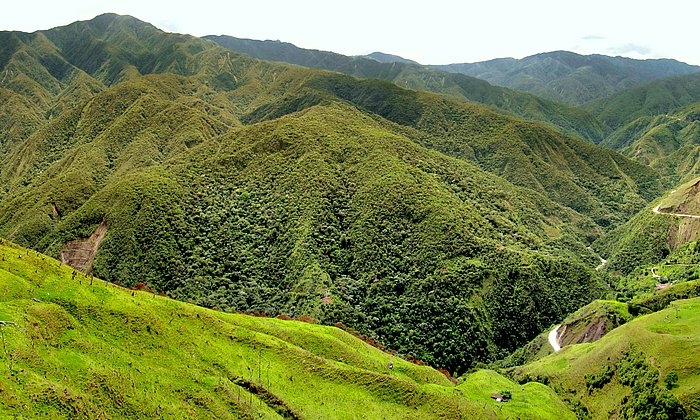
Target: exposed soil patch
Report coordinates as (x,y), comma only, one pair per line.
(80,253)
(690,204)
(586,333)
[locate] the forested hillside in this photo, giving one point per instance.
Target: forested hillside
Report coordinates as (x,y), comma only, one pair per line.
(453,223)
(651,99)
(416,77)
(655,233)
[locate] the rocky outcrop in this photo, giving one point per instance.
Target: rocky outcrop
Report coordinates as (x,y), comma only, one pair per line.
(80,253)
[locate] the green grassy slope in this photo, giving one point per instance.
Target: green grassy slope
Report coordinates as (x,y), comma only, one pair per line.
(586,325)
(569,77)
(422,78)
(82,347)
(625,372)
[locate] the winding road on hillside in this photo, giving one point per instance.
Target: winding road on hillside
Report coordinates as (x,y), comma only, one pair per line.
(554,339)
(657,211)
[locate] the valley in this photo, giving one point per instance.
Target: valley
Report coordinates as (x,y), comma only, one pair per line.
(253,229)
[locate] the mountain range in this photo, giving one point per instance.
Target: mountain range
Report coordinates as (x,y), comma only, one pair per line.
(446,218)
(608,118)
(571,78)
(409,75)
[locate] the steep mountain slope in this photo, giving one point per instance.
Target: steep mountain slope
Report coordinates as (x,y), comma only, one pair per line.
(250,185)
(324,204)
(651,99)
(572,172)
(133,125)
(569,77)
(254,90)
(172,359)
(34,76)
(416,77)
(658,230)
(669,143)
(586,325)
(657,124)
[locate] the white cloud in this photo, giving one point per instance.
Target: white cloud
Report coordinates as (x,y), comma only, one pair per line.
(441,31)
(631,49)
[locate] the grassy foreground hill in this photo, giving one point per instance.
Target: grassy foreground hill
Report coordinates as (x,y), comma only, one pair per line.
(81,347)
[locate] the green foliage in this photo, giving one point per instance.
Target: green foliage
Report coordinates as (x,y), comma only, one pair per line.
(665,142)
(600,379)
(342,199)
(647,400)
(671,380)
(625,251)
(662,299)
(587,324)
(637,353)
(654,98)
(666,241)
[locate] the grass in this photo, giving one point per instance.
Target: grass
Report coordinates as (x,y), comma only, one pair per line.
(668,340)
(84,347)
(531,400)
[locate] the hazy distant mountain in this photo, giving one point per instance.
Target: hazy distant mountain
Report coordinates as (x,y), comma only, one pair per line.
(388,58)
(569,77)
(418,77)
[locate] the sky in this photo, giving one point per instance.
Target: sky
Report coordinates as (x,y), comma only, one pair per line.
(430,32)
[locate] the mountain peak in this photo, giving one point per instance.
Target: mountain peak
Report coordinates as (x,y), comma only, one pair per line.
(388,58)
